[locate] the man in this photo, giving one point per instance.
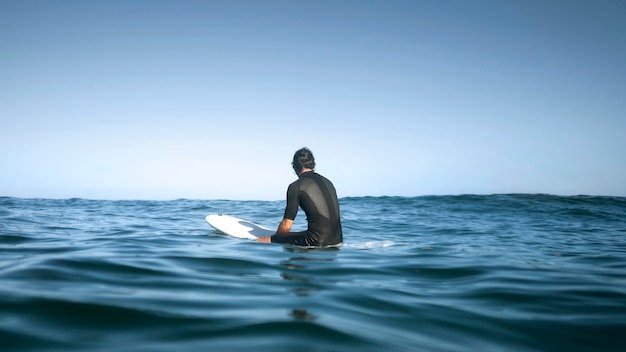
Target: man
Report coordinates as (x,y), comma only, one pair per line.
(316,195)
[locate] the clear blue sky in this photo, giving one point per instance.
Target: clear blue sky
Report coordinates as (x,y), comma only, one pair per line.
(209,99)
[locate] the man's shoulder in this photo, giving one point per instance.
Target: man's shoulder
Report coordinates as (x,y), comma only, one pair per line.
(309,177)
(314,174)
(322,178)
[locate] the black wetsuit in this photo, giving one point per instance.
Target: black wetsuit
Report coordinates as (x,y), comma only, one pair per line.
(316,195)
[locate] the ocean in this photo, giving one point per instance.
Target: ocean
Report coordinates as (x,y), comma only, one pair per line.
(514,272)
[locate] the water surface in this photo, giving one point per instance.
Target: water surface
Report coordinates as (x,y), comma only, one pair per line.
(441,273)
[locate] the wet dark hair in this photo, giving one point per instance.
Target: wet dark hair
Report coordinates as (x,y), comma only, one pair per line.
(303,159)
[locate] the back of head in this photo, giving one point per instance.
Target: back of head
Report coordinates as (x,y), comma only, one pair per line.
(303,159)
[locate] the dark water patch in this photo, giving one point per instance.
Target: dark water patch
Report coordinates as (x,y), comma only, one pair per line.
(13,239)
(80,325)
(26,340)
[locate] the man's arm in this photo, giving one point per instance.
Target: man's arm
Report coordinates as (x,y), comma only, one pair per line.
(283,227)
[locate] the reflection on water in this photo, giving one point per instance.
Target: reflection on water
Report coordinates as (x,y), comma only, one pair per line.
(299,269)
(302,314)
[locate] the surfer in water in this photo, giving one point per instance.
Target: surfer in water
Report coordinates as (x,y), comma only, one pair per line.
(316,195)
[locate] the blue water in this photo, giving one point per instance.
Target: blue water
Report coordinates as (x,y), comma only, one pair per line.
(441,273)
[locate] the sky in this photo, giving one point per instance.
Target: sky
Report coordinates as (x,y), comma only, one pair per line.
(210,99)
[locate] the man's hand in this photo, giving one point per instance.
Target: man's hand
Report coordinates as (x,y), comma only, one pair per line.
(283,227)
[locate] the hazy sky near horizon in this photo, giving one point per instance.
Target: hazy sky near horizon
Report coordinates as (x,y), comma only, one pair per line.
(210,99)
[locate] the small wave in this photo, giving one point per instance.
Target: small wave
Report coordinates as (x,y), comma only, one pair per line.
(370,244)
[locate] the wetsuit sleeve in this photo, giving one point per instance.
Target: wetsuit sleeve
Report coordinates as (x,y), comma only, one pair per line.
(291,210)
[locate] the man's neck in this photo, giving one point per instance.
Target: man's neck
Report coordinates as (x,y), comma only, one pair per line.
(304,170)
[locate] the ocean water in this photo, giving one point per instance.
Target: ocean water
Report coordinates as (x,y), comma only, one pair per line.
(437,273)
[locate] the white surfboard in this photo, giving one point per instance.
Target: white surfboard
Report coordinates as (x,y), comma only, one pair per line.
(236,227)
